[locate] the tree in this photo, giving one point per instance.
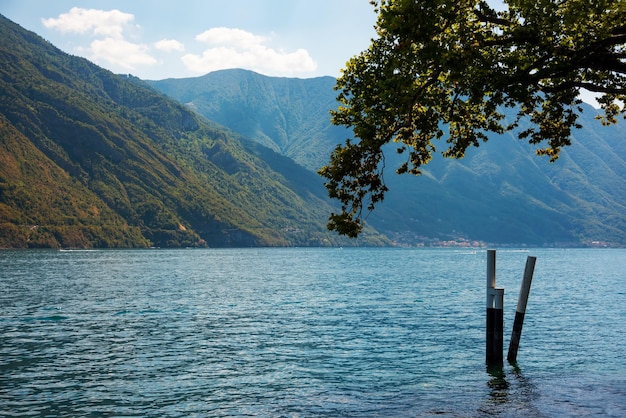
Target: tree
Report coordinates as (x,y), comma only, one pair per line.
(448,68)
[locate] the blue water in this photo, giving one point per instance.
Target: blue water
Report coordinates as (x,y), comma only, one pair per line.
(306,333)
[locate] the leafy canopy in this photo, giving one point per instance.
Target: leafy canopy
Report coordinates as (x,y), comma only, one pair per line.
(448,67)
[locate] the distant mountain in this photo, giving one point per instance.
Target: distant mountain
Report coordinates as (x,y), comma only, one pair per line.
(288,115)
(93,159)
(499,193)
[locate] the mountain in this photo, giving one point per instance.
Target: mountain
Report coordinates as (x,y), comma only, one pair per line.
(499,193)
(93,159)
(288,115)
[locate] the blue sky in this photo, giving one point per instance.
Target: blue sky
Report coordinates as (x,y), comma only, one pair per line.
(157,39)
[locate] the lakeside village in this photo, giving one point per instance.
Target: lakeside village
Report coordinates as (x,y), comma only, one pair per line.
(404,240)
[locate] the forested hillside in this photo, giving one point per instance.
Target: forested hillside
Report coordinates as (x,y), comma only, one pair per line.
(500,193)
(93,159)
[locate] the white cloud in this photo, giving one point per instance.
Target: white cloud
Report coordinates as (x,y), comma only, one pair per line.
(99,22)
(235,38)
(108,28)
(169,45)
(120,53)
(236,48)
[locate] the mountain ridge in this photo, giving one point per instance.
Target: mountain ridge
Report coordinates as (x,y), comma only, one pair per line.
(297,109)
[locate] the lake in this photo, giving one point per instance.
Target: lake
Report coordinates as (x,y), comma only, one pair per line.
(356,332)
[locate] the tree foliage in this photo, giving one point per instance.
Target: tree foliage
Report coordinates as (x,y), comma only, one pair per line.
(443,68)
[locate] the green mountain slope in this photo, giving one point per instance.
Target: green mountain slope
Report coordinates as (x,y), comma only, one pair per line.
(500,193)
(92,159)
(41,205)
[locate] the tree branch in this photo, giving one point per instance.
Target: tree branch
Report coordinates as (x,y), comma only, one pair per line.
(595,88)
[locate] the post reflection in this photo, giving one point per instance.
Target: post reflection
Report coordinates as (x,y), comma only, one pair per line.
(498,384)
(510,392)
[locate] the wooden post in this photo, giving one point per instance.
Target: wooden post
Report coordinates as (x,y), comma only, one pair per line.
(521,309)
(495,313)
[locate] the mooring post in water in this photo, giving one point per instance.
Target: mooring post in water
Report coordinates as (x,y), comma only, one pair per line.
(495,313)
(521,309)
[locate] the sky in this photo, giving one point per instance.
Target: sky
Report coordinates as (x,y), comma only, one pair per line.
(159,39)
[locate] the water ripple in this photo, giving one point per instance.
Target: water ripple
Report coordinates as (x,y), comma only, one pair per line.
(303,332)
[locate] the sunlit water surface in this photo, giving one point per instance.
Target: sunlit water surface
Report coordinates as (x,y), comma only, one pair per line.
(306,332)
